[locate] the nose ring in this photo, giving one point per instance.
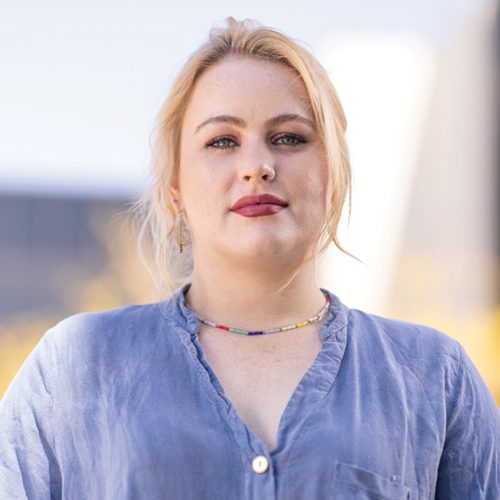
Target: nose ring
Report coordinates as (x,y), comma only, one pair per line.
(270,172)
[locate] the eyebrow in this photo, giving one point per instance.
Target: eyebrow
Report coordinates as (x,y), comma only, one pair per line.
(276,120)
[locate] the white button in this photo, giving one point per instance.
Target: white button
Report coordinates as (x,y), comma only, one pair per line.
(260,464)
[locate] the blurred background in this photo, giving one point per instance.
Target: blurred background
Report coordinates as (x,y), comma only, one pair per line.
(81,85)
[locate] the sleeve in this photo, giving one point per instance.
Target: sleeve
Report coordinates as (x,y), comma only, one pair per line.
(28,467)
(470,463)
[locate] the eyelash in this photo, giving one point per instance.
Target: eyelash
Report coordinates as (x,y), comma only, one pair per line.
(212,143)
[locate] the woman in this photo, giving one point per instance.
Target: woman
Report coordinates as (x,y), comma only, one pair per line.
(250,382)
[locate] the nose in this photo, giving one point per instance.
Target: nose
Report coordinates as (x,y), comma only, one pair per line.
(262,171)
(257,165)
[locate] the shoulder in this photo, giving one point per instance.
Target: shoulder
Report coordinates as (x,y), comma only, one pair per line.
(122,320)
(96,351)
(422,364)
(106,335)
(410,357)
(406,340)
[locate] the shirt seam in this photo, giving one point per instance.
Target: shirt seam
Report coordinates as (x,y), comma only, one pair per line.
(52,378)
(451,405)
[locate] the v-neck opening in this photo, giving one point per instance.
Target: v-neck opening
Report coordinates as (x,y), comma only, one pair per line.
(307,394)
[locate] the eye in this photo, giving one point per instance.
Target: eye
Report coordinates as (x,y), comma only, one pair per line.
(222,142)
(288,140)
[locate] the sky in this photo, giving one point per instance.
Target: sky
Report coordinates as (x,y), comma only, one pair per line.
(82,81)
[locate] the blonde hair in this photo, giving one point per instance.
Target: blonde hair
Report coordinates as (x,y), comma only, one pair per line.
(157,215)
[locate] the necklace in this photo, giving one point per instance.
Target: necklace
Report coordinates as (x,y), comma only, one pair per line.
(310,321)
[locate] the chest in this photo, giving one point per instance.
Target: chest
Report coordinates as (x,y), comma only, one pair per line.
(260,380)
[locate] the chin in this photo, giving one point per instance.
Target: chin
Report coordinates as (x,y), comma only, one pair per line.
(275,250)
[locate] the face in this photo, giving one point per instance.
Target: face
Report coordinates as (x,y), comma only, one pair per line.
(247,132)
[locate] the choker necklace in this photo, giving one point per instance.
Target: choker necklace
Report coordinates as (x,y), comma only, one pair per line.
(310,321)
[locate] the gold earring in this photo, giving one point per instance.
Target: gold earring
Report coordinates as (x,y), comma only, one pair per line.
(181,233)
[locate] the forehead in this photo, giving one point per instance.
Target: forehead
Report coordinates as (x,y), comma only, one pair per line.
(248,87)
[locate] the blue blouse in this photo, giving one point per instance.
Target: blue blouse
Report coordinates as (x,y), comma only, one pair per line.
(123,405)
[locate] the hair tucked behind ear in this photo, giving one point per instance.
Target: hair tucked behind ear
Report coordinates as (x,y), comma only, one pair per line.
(155,210)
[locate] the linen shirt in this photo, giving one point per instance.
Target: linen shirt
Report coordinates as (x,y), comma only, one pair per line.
(123,404)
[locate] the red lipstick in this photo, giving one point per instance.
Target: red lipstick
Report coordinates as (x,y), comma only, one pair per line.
(258,205)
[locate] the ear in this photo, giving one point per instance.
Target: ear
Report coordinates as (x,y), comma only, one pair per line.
(175,196)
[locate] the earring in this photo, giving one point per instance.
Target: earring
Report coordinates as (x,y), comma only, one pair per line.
(181,233)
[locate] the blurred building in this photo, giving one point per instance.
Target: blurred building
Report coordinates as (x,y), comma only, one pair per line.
(448,256)
(60,256)
(48,247)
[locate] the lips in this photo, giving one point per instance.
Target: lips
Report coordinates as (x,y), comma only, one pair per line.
(260,199)
(259,205)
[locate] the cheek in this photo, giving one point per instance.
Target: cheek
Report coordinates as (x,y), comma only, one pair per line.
(315,193)
(313,185)
(204,191)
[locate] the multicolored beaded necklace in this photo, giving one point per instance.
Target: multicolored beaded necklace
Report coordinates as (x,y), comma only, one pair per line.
(310,321)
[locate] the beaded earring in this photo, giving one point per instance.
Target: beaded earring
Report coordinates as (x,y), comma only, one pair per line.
(181,230)
(181,234)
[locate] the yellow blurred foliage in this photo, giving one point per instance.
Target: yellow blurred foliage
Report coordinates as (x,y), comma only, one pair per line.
(16,342)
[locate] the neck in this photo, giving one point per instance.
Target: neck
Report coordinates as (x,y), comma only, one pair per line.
(255,299)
